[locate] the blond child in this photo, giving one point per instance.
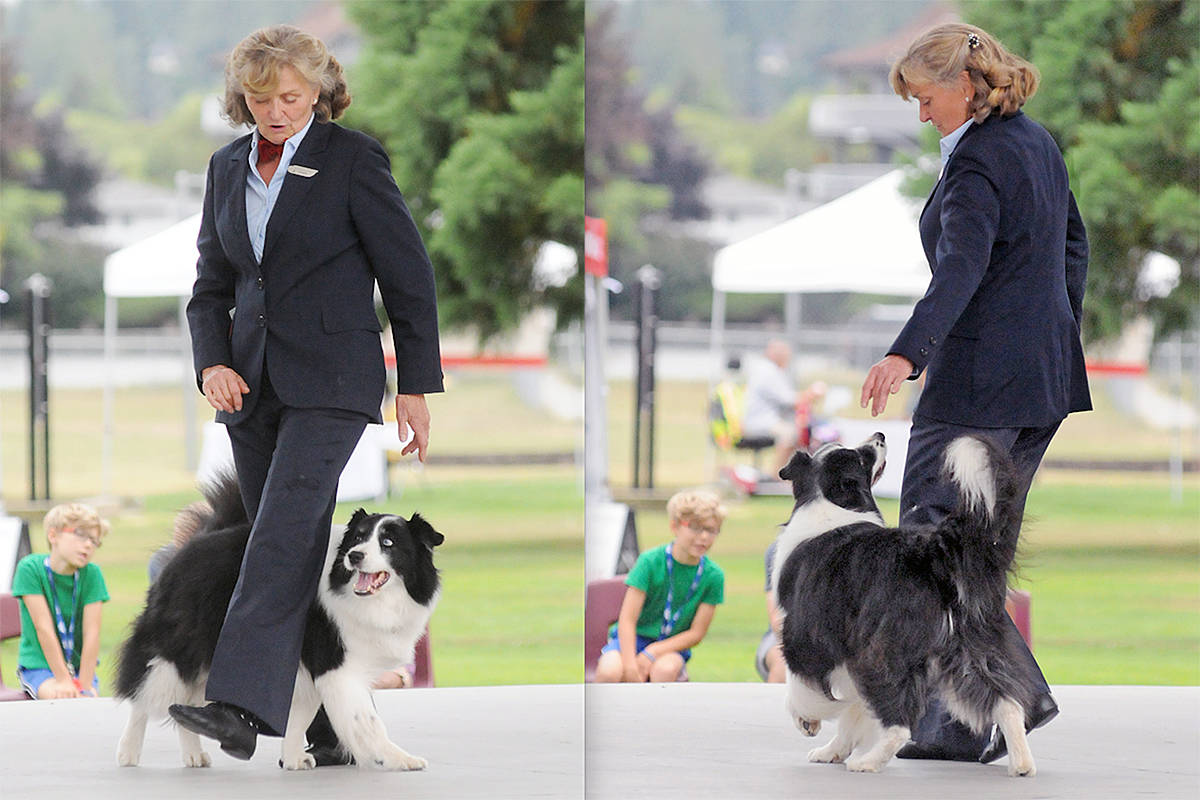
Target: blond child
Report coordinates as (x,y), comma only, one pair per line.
(672,594)
(61,596)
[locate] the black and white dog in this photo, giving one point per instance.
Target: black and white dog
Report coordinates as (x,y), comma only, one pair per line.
(376,594)
(877,618)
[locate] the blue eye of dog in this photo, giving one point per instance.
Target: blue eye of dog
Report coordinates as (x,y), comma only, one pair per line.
(386,541)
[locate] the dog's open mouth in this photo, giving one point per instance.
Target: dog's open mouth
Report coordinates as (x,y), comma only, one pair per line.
(878,471)
(369,582)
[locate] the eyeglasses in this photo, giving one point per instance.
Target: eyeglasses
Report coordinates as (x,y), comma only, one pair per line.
(710,530)
(78,534)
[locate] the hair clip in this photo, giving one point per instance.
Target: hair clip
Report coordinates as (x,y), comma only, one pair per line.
(972,40)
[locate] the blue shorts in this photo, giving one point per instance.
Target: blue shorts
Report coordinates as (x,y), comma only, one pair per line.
(32,680)
(642,643)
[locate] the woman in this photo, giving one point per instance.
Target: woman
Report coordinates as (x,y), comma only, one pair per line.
(301,220)
(997,332)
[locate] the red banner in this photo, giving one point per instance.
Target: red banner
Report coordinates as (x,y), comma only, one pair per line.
(595,246)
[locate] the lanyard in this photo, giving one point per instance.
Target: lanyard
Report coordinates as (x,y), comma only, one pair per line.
(66,633)
(671,620)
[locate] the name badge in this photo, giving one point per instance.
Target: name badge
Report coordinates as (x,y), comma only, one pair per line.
(303,172)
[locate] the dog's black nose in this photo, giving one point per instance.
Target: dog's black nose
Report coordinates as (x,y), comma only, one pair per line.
(355,557)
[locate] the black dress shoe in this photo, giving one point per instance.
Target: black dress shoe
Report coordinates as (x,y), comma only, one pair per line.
(327,756)
(1044,709)
(936,752)
(235,728)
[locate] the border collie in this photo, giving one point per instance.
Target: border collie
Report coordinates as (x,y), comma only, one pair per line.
(375,597)
(876,618)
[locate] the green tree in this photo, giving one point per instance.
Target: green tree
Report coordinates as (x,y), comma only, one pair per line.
(480,106)
(45,184)
(1119,93)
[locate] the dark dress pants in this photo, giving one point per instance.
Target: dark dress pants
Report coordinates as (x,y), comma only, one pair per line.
(288,463)
(927,497)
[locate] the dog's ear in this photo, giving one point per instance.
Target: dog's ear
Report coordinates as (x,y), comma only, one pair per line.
(796,467)
(358,516)
(424,531)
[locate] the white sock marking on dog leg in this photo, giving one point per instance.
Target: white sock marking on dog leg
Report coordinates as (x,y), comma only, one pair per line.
(873,760)
(1011,719)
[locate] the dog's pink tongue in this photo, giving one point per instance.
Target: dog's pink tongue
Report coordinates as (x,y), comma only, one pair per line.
(365,582)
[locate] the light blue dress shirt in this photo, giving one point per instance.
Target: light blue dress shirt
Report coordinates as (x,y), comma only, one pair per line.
(260,196)
(948,142)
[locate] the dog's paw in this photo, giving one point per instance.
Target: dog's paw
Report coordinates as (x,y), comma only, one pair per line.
(197,758)
(302,761)
(128,758)
(826,755)
(399,760)
(1018,768)
(864,765)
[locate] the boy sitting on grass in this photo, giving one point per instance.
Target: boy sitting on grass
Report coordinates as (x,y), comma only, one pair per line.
(61,596)
(673,592)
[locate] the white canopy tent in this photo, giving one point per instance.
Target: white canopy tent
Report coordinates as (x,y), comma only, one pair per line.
(162,265)
(864,241)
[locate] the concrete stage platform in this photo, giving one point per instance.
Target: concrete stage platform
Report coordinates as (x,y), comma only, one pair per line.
(736,741)
(697,740)
(497,742)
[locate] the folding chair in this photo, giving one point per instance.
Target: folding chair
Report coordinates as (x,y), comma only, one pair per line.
(10,628)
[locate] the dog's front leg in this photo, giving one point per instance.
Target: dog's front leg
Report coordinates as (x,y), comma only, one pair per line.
(892,739)
(356,722)
(129,751)
(855,727)
(304,707)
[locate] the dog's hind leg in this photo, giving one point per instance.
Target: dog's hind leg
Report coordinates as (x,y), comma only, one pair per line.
(1011,719)
(357,724)
(129,751)
(305,703)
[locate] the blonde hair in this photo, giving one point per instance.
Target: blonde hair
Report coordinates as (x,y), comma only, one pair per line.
(695,505)
(1000,80)
(79,516)
(255,63)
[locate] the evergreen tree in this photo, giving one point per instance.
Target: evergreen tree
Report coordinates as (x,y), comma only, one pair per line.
(480,106)
(1119,92)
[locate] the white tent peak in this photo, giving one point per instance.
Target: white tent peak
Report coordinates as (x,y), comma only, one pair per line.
(864,241)
(162,265)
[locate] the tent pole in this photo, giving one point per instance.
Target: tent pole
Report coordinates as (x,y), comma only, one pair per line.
(110,346)
(715,367)
(792,314)
(191,450)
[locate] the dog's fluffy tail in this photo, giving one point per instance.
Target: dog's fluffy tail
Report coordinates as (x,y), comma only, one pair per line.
(224,496)
(988,517)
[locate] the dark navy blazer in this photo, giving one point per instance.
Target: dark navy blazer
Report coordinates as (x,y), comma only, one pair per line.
(998,328)
(306,314)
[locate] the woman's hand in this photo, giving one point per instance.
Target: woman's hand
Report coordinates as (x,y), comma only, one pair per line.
(883,379)
(223,388)
(412,413)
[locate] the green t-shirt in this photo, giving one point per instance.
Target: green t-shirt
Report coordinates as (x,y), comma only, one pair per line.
(30,578)
(650,575)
